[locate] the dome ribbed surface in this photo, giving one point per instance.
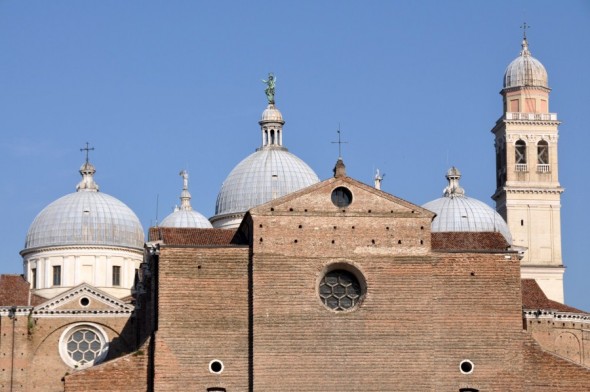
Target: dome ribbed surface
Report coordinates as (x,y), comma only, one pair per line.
(183,218)
(466,214)
(86,218)
(525,71)
(265,175)
(271,113)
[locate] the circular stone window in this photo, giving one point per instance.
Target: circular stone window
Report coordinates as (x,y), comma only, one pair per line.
(216,366)
(83,345)
(466,366)
(340,289)
(341,197)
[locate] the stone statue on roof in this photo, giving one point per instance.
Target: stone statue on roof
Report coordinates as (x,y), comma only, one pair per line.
(270,88)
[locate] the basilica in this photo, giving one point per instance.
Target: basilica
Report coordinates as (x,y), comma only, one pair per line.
(303,284)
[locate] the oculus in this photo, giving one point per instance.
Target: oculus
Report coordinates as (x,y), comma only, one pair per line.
(341,197)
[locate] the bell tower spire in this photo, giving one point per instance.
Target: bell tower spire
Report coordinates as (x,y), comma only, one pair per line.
(528,193)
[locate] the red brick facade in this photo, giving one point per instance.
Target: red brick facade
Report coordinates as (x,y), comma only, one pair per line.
(248,301)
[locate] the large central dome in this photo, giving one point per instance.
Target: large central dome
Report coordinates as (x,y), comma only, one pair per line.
(86,217)
(270,172)
(264,175)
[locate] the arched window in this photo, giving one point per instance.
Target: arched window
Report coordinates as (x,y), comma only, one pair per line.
(543,156)
(272,136)
(520,155)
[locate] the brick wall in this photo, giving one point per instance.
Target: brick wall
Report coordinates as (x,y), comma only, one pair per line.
(127,373)
(202,316)
(31,362)
(423,313)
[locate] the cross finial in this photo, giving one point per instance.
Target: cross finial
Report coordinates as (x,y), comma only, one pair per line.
(524,27)
(87,149)
(340,143)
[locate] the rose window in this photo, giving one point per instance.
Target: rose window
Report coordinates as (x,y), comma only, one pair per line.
(83,346)
(340,290)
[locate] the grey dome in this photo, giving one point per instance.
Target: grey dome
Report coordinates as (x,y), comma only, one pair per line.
(185,216)
(182,218)
(267,174)
(525,71)
(270,172)
(456,212)
(86,217)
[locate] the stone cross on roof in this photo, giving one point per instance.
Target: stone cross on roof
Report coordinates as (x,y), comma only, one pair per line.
(87,149)
(340,143)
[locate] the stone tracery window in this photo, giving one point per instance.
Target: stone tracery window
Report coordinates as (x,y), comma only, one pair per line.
(340,290)
(83,345)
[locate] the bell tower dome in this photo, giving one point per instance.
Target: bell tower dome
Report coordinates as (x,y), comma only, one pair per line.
(528,193)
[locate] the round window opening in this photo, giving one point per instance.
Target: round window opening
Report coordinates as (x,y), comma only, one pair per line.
(215,366)
(84,301)
(466,366)
(341,197)
(340,290)
(83,345)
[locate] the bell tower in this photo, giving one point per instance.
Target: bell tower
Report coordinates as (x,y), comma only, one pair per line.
(528,193)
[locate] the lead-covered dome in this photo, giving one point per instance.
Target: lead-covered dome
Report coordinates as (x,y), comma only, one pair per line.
(185,216)
(525,71)
(456,212)
(86,217)
(268,173)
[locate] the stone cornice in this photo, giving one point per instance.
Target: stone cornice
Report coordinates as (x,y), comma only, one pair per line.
(531,122)
(534,190)
(7,311)
(502,122)
(531,190)
(80,247)
(555,315)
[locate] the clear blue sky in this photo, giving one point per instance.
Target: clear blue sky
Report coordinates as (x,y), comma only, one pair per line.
(158,86)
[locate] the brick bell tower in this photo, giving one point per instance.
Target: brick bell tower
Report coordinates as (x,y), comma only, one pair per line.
(528,194)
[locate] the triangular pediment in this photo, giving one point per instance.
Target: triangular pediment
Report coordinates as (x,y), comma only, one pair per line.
(364,200)
(83,300)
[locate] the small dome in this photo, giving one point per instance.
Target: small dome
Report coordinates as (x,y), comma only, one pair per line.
(525,71)
(457,212)
(267,174)
(185,216)
(182,218)
(271,114)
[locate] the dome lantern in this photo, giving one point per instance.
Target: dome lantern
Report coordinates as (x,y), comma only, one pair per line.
(185,216)
(271,121)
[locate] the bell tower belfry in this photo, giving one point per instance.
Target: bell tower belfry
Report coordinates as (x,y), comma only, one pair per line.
(528,193)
